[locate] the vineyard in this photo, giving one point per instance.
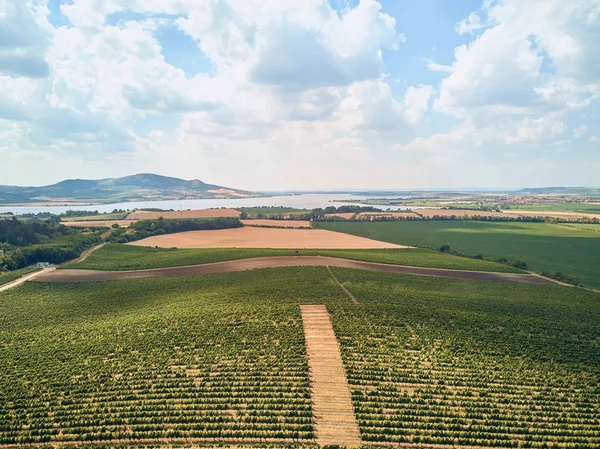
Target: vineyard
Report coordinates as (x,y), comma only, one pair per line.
(221,358)
(127,257)
(439,361)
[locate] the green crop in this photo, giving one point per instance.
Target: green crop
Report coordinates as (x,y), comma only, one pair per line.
(544,247)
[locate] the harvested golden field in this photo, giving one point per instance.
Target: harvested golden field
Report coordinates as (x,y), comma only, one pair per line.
(458,212)
(98,223)
(252,237)
(565,215)
(202,213)
(278,223)
(374,215)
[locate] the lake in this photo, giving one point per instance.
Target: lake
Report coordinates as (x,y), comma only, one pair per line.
(299,201)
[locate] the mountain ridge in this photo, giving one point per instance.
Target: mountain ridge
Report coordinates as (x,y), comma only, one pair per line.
(138,187)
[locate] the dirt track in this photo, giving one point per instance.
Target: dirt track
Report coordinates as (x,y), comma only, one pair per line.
(70,275)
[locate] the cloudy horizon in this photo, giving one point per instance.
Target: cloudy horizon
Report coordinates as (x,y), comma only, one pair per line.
(312,95)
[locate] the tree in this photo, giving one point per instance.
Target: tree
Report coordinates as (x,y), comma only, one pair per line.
(243,216)
(445,248)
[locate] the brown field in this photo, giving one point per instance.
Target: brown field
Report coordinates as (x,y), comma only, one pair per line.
(458,212)
(278,223)
(202,213)
(252,237)
(566,215)
(98,223)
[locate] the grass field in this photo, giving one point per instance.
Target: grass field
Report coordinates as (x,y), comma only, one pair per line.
(544,247)
(99,217)
(560,207)
(9,276)
(126,257)
(429,360)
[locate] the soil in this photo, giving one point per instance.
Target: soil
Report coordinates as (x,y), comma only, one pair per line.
(333,414)
(76,275)
(202,213)
(253,237)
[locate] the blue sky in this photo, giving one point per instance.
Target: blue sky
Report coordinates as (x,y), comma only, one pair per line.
(281,94)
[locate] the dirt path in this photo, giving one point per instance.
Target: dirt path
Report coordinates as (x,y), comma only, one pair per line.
(26,278)
(73,275)
(87,252)
(354,300)
(333,415)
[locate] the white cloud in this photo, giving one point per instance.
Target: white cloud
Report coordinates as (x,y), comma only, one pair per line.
(470,24)
(579,131)
(416,101)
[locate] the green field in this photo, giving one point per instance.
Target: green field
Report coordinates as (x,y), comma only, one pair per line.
(126,257)
(99,217)
(9,276)
(560,207)
(544,247)
(429,360)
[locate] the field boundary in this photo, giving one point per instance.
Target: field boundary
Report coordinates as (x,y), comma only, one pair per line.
(333,413)
(80,275)
(354,300)
(25,278)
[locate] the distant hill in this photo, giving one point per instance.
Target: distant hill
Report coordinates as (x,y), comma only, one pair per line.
(140,187)
(581,191)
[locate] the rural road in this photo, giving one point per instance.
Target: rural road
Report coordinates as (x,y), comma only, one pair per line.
(26,278)
(74,275)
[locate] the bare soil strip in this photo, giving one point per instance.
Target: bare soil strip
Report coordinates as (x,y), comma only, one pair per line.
(71,275)
(354,300)
(333,415)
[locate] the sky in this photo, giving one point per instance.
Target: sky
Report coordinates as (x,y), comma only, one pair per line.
(311,94)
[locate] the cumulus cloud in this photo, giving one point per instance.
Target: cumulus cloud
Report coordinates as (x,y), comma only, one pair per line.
(470,24)
(579,131)
(22,41)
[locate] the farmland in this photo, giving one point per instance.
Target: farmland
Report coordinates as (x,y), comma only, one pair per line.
(128,257)
(544,247)
(255,237)
(9,276)
(221,357)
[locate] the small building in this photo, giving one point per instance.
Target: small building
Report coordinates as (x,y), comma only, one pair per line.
(43,264)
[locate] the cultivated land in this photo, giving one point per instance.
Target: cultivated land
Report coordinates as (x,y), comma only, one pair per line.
(202,213)
(68,275)
(9,276)
(571,250)
(222,357)
(98,223)
(252,237)
(128,257)
(278,223)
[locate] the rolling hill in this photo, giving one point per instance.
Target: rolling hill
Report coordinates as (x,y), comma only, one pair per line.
(140,187)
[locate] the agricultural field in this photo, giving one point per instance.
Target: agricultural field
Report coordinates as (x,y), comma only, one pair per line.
(544,247)
(221,357)
(255,237)
(440,361)
(267,211)
(589,208)
(201,213)
(277,223)
(98,217)
(9,276)
(116,256)
(128,257)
